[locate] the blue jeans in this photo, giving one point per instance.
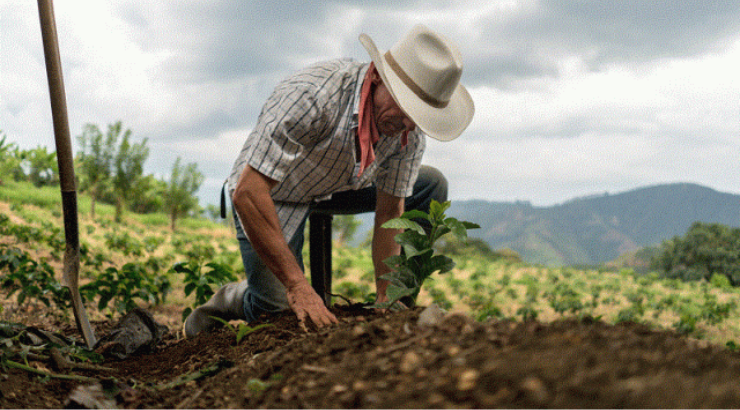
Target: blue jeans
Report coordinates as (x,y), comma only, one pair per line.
(266,294)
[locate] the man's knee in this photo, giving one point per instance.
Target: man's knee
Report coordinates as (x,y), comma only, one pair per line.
(430,185)
(436,181)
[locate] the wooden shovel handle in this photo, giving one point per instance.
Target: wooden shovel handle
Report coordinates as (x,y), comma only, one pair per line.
(66,166)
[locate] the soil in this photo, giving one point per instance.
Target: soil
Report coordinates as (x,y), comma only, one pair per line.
(374,360)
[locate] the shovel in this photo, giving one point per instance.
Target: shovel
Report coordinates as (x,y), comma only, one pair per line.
(66,167)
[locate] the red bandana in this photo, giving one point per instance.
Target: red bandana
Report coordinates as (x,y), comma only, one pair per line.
(367,131)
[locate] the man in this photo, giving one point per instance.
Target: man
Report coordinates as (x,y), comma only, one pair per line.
(342,137)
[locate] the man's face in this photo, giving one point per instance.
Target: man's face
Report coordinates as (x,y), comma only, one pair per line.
(389,118)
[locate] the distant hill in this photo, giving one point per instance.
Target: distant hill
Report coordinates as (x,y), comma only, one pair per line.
(594,229)
(597,229)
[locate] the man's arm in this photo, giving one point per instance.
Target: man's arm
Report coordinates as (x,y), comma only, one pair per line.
(384,245)
(256,210)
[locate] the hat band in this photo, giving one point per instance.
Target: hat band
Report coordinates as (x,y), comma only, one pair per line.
(393,64)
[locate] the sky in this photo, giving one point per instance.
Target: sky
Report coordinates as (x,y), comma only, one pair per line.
(573,97)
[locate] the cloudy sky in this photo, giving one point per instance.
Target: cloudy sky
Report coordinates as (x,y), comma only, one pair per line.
(573,97)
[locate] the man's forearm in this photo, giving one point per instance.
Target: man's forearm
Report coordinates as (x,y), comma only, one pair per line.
(257,213)
(256,210)
(384,243)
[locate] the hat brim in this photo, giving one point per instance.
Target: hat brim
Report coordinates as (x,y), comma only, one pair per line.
(443,124)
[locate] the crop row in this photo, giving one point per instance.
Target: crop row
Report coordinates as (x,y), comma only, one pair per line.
(500,289)
(144,277)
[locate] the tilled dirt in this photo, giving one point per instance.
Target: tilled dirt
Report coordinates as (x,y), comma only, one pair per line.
(372,360)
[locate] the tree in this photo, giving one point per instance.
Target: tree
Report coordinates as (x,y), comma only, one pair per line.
(95,162)
(180,195)
(128,165)
(706,249)
(147,195)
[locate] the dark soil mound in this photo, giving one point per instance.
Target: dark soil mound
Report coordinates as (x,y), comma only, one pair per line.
(389,361)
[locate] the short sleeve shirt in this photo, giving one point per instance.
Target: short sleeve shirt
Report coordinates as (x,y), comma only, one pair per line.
(305,139)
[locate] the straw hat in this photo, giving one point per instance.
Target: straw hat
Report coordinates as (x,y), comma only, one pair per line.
(422,73)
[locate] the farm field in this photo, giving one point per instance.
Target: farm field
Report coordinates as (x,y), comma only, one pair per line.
(515,335)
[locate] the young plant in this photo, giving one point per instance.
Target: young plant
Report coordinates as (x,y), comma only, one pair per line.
(242,330)
(417,260)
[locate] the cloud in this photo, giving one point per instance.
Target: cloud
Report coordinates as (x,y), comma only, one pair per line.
(572,97)
(529,39)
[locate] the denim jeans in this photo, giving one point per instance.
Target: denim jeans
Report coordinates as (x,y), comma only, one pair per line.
(266,294)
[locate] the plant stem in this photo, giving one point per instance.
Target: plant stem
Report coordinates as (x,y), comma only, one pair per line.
(30,369)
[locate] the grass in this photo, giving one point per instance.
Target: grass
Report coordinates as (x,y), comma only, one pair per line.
(24,193)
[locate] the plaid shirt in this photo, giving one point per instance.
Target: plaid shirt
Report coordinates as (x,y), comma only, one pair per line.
(305,140)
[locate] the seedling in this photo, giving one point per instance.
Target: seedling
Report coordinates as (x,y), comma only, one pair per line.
(418,260)
(242,330)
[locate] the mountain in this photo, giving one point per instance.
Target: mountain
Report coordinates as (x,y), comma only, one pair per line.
(597,229)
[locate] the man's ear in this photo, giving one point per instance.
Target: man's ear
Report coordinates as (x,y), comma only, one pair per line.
(375,77)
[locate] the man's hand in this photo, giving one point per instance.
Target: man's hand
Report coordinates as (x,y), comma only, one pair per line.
(304,302)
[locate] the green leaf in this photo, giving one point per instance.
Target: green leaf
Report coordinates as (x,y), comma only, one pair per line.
(189,288)
(181,267)
(394,262)
(413,243)
(470,225)
(441,263)
(395,293)
(439,232)
(397,278)
(186,313)
(415,214)
(457,228)
(103,302)
(223,322)
(399,223)
(436,210)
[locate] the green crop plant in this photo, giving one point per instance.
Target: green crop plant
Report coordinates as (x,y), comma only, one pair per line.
(630,314)
(686,324)
(595,294)
(124,243)
(200,251)
(418,260)
(151,243)
(122,287)
(478,274)
(715,312)
(564,298)
(32,280)
(93,260)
